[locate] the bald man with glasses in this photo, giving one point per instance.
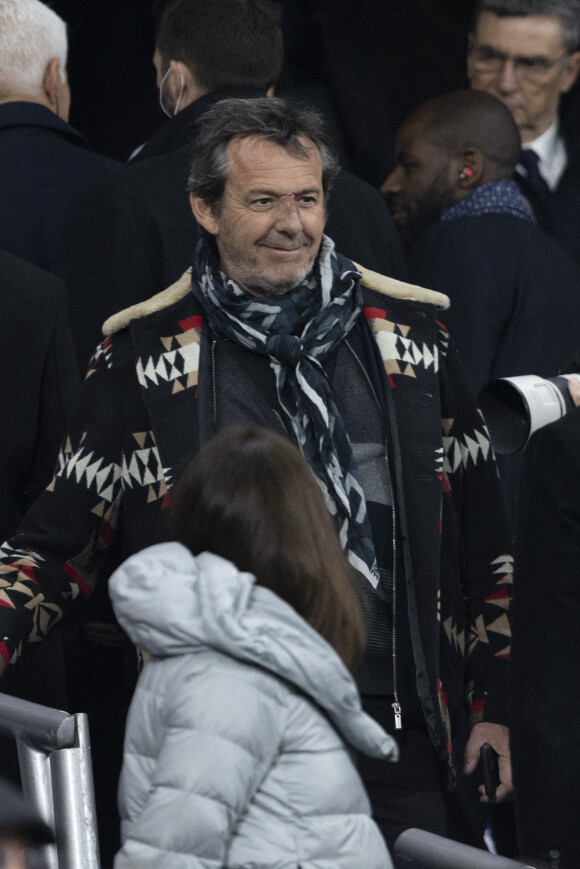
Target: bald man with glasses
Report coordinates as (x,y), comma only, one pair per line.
(526,53)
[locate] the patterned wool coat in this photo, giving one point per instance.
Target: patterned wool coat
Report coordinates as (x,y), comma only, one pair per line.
(145,409)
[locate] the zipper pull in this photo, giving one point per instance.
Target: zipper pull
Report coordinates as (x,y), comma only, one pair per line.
(398,715)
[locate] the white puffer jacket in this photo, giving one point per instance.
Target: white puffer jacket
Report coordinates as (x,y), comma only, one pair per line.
(235,750)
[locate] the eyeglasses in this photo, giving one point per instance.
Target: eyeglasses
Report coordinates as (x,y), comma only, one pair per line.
(533,69)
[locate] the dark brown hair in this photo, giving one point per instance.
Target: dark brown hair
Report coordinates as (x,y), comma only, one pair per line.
(250,496)
(275,120)
(224,43)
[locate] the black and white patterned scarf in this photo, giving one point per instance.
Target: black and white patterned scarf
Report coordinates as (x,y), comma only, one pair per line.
(296,331)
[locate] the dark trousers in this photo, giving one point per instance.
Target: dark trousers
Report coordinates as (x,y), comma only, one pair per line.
(413,791)
(409,793)
(101,683)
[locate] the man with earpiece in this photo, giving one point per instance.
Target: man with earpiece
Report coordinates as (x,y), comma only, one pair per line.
(515,294)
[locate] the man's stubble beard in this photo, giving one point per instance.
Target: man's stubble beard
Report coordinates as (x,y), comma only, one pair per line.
(261,282)
(263,286)
(436,199)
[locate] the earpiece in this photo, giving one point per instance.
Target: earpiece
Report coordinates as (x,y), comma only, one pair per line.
(466,172)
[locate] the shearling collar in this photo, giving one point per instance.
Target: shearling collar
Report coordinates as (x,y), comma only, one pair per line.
(373,280)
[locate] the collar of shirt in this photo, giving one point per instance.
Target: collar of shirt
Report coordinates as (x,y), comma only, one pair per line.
(551,150)
(495,197)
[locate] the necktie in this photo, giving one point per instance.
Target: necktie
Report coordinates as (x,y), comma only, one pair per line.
(529,160)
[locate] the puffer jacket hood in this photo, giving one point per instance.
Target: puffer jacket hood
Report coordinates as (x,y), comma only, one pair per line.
(171,603)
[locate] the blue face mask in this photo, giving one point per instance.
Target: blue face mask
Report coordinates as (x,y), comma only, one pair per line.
(161,103)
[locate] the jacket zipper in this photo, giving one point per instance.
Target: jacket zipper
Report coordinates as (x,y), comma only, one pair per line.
(281,421)
(397,711)
(213,382)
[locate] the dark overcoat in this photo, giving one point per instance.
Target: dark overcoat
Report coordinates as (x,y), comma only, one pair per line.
(515,302)
(544,685)
(39,384)
(39,389)
(46,169)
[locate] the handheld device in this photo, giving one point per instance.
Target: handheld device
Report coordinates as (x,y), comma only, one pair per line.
(490,769)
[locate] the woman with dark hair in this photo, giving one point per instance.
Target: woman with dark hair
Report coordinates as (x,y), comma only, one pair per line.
(236,744)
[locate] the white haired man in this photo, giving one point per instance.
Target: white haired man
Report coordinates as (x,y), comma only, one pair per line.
(45,165)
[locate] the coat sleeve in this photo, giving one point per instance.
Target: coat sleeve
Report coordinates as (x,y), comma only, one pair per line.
(60,547)
(479,543)
(544,689)
(193,762)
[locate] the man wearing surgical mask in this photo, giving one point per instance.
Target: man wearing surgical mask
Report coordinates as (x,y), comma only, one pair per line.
(161,82)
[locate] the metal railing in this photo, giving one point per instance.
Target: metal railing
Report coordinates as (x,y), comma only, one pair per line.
(54,754)
(417,849)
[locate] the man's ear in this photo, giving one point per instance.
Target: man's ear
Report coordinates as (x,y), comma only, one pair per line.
(183,81)
(51,83)
(204,213)
(469,169)
(571,72)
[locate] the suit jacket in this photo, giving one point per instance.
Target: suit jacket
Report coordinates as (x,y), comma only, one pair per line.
(136,234)
(560,216)
(545,692)
(46,168)
(515,295)
(515,302)
(147,406)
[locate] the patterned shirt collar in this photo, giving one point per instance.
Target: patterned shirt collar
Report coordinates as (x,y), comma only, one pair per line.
(496,197)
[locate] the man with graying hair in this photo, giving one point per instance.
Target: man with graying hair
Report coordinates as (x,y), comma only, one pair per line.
(515,295)
(527,54)
(272,325)
(46,167)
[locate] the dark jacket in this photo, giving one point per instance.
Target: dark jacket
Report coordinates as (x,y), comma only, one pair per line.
(39,386)
(148,404)
(560,216)
(515,296)
(515,303)
(46,169)
(545,691)
(137,233)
